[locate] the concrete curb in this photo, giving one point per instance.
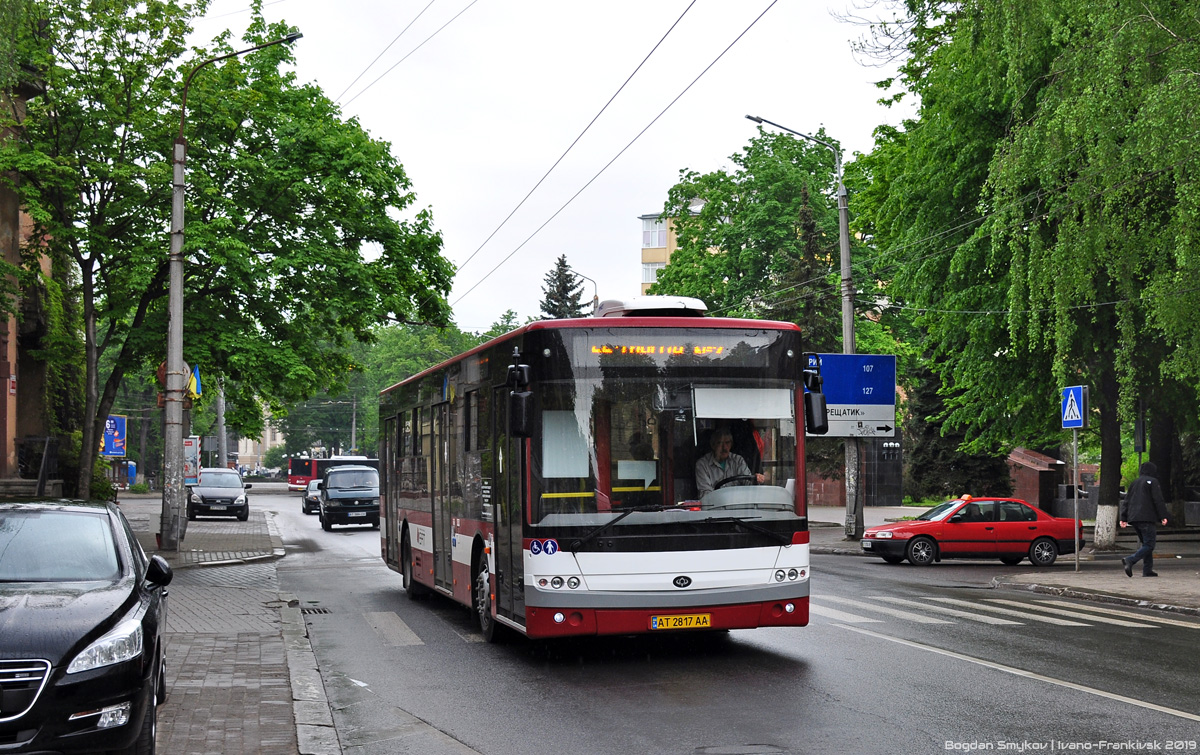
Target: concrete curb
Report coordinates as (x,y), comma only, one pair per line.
(315,732)
(1092,595)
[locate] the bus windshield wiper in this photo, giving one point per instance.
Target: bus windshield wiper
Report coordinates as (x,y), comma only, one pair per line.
(778,536)
(577,544)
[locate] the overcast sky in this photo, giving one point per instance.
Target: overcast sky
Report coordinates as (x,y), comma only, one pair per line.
(479,111)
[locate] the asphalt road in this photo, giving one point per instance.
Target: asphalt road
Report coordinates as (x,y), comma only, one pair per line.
(897,659)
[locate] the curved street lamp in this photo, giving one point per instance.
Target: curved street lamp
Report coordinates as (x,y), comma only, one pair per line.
(176,379)
(854,498)
(843,235)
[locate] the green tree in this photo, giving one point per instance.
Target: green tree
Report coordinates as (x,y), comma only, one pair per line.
(1039,213)
(285,200)
(754,239)
(562,291)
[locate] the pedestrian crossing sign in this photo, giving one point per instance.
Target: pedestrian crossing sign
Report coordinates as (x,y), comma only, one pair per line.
(1075,407)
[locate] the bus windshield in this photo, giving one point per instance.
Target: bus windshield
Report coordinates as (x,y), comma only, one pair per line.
(608,444)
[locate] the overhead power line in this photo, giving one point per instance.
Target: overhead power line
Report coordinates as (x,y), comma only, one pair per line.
(380,55)
(577,138)
(618,155)
(406,57)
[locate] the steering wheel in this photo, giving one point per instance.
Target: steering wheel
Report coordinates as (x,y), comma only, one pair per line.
(735,478)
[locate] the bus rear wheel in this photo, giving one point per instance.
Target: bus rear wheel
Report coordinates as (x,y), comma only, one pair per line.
(481,599)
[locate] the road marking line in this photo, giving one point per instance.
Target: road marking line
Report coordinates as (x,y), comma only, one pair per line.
(1130,614)
(889,611)
(948,611)
(836,615)
(1027,674)
(1073,614)
(1009,612)
(392,629)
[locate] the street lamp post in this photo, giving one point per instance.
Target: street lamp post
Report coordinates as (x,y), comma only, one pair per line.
(595,291)
(176,379)
(854,503)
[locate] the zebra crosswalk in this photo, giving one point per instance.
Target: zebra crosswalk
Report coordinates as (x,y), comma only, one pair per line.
(875,609)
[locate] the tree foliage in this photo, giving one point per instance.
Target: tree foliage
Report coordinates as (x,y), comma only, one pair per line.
(1039,213)
(562,291)
(301,233)
(754,238)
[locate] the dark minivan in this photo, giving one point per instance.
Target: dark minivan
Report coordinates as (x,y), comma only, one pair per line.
(349,495)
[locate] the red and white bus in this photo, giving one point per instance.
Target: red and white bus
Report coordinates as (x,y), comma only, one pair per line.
(302,469)
(546,479)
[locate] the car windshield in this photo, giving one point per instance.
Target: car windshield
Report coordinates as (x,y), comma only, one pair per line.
(939,512)
(56,546)
(312,485)
(366,478)
(220,480)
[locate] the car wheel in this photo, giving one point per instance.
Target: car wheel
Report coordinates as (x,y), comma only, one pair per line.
(481,599)
(325,523)
(921,551)
(1011,560)
(375,525)
(1043,552)
(191,513)
(893,559)
(304,508)
(243,516)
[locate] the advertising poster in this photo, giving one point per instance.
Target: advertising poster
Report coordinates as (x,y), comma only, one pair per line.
(114,436)
(191,460)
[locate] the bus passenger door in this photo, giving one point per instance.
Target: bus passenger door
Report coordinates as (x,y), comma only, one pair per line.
(443,569)
(508,475)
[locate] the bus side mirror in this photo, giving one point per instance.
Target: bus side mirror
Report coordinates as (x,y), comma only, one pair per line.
(816,416)
(520,413)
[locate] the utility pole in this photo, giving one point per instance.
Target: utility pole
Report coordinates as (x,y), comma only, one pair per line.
(175,376)
(222,437)
(354,425)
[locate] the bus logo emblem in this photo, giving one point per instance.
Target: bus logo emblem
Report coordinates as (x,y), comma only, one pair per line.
(682,581)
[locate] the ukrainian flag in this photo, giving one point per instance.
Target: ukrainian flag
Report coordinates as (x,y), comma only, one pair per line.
(193,387)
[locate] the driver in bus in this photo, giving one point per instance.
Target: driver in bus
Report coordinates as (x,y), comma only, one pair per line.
(721,463)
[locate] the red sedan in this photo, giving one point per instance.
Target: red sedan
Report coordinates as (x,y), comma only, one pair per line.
(1005,528)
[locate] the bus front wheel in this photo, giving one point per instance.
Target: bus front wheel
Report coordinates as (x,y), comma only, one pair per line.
(481,598)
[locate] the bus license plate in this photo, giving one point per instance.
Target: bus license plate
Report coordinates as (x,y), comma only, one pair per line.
(358,513)
(682,621)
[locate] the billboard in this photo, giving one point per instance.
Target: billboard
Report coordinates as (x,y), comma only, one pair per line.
(114,436)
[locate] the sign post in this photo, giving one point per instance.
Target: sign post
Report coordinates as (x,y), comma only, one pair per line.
(1074,416)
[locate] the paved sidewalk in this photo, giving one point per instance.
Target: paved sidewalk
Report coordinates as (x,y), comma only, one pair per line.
(241,674)
(1100,576)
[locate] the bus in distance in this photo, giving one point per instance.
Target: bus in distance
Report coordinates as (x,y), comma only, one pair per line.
(302,469)
(547,479)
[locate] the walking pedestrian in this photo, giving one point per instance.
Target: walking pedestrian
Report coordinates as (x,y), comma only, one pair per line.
(1144,508)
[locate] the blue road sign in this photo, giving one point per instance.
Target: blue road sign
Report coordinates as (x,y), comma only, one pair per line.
(860,394)
(855,379)
(1074,407)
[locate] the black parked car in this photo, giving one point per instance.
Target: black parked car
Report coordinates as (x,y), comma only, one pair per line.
(82,616)
(219,492)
